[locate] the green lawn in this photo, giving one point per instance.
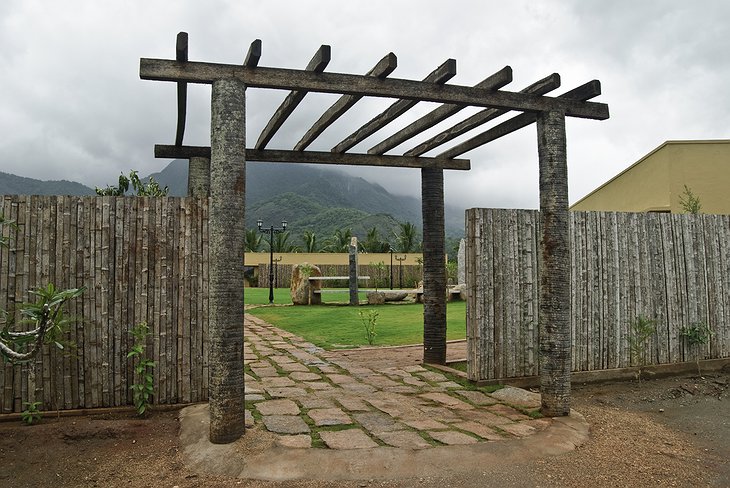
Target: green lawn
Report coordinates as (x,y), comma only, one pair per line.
(335,326)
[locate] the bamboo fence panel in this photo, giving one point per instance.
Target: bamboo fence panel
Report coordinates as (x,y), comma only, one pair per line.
(673,269)
(140,259)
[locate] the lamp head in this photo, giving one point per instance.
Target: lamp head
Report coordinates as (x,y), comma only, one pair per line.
(259,223)
(283,224)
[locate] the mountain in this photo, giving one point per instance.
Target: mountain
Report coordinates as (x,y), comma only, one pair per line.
(19,185)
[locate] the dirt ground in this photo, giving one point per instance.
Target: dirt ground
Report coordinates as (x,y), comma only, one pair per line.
(665,432)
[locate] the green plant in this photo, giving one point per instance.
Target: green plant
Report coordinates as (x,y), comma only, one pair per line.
(369,319)
(380,279)
(452,271)
(642,329)
(151,189)
(141,391)
(689,202)
(696,335)
(31,412)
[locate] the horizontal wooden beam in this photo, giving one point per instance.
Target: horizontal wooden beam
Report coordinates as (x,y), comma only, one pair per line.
(287,79)
(254,54)
(381,70)
(440,75)
(316,157)
(317,64)
(181,55)
(541,87)
(494,82)
(584,92)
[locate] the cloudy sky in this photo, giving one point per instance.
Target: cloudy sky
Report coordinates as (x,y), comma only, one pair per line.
(72,105)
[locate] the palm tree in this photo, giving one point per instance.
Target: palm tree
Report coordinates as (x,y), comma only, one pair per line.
(253,240)
(282,244)
(373,243)
(434,271)
(407,239)
(310,241)
(340,241)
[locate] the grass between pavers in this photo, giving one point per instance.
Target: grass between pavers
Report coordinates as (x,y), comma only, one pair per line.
(335,327)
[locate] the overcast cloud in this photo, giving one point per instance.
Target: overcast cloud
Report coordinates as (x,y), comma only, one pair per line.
(72,105)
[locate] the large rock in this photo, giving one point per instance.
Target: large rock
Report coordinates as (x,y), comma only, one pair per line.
(376,297)
(382,296)
(302,289)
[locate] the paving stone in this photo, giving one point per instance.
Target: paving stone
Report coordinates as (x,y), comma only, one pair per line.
(304,376)
(517,396)
(404,389)
(481,430)
(380,381)
(476,397)
(353,404)
(484,417)
(278,381)
(442,413)
(447,400)
(395,405)
(395,372)
(290,367)
(329,416)
(315,402)
(286,392)
(452,438)
(341,379)
(248,419)
(301,441)
(328,369)
(449,384)
(359,388)
(518,429)
(269,372)
(361,372)
(305,357)
(254,397)
(538,424)
(405,439)
(413,381)
(507,411)
(377,422)
(433,377)
(281,359)
(425,424)
(247,379)
(347,439)
(278,407)
(414,369)
(318,385)
(286,424)
(253,387)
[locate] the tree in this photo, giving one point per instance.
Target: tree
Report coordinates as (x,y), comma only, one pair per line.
(253,240)
(340,241)
(373,243)
(281,243)
(151,189)
(689,202)
(310,241)
(407,239)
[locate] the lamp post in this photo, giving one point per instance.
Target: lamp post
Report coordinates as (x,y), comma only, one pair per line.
(391,268)
(271,231)
(400,269)
(276,271)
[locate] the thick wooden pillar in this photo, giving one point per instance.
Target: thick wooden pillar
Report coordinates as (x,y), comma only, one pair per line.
(434,266)
(554,266)
(354,297)
(227,206)
(199,177)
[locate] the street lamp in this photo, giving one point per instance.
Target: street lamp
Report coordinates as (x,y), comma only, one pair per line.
(400,269)
(271,231)
(391,268)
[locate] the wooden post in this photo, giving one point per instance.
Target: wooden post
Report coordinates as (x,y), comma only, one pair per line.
(434,267)
(354,299)
(199,177)
(554,266)
(226,230)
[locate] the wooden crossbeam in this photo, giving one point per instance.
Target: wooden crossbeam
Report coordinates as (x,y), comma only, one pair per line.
(317,157)
(381,70)
(439,76)
(318,63)
(181,55)
(288,79)
(494,82)
(254,54)
(584,92)
(541,87)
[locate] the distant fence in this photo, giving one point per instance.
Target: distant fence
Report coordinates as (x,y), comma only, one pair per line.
(141,259)
(674,269)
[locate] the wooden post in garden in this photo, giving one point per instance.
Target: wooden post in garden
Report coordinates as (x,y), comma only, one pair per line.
(434,267)
(354,299)
(199,177)
(226,224)
(554,266)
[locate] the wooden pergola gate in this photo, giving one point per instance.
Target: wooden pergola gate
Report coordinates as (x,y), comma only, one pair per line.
(219,171)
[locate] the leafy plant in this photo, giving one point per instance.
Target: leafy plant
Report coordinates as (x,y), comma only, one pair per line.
(151,189)
(143,390)
(696,335)
(642,329)
(31,413)
(380,279)
(452,271)
(689,202)
(369,319)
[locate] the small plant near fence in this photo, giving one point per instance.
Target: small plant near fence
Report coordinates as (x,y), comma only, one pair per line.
(642,329)
(369,319)
(31,413)
(696,335)
(143,389)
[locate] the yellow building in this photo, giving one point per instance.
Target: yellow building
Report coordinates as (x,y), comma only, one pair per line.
(656,182)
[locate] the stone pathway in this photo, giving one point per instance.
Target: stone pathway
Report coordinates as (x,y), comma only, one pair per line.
(313,399)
